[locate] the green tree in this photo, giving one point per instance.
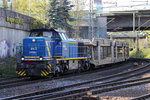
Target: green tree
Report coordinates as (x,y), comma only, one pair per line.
(5,4)
(58,15)
(53,18)
(78,14)
(38,8)
(65,16)
(21,6)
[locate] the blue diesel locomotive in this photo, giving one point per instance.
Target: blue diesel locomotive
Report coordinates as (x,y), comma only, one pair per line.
(50,52)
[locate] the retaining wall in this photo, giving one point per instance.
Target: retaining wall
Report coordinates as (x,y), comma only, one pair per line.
(13,28)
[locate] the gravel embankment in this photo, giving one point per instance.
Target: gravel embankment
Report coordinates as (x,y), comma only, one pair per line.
(65,81)
(128,93)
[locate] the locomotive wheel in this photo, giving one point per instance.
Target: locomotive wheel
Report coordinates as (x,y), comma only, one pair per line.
(86,65)
(92,66)
(80,66)
(57,72)
(66,67)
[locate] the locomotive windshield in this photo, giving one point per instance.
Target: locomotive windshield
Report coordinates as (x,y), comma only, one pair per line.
(41,34)
(63,36)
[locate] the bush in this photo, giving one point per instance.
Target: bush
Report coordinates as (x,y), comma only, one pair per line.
(143,52)
(8,67)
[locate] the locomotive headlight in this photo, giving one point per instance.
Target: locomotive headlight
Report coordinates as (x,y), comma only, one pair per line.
(22,58)
(33,40)
(41,58)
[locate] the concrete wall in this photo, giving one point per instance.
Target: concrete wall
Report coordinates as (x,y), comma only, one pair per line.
(13,28)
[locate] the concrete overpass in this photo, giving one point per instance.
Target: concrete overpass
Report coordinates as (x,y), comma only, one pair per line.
(128,20)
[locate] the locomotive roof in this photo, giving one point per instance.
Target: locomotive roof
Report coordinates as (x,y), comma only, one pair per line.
(51,29)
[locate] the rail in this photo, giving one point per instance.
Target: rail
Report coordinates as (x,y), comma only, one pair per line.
(98,88)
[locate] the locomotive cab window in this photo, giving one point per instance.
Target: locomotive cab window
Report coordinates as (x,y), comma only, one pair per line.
(63,36)
(48,34)
(57,38)
(42,34)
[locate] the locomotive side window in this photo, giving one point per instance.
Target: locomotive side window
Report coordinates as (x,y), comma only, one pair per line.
(39,34)
(48,34)
(35,34)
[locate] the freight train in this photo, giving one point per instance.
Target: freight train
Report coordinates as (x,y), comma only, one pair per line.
(50,52)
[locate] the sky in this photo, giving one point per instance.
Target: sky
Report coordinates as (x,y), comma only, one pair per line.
(120,5)
(114,5)
(125,2)
(123,5)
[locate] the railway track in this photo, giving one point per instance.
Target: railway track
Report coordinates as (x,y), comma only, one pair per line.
(143,97)
(4,83)
(13,82)
(60,91)
(11,79)
(94,90)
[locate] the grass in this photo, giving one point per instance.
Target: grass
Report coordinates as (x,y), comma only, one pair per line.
(143,52)
(8,67)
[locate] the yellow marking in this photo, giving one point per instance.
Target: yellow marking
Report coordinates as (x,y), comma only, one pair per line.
(46,57)
(49,66)
(36,59)
(69,42)
(23,72)
(64,41)
(120,51)
(57,59)
(51,41)
(72,58)
(48,49)
(43,73)
(32,57)
(20,71)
